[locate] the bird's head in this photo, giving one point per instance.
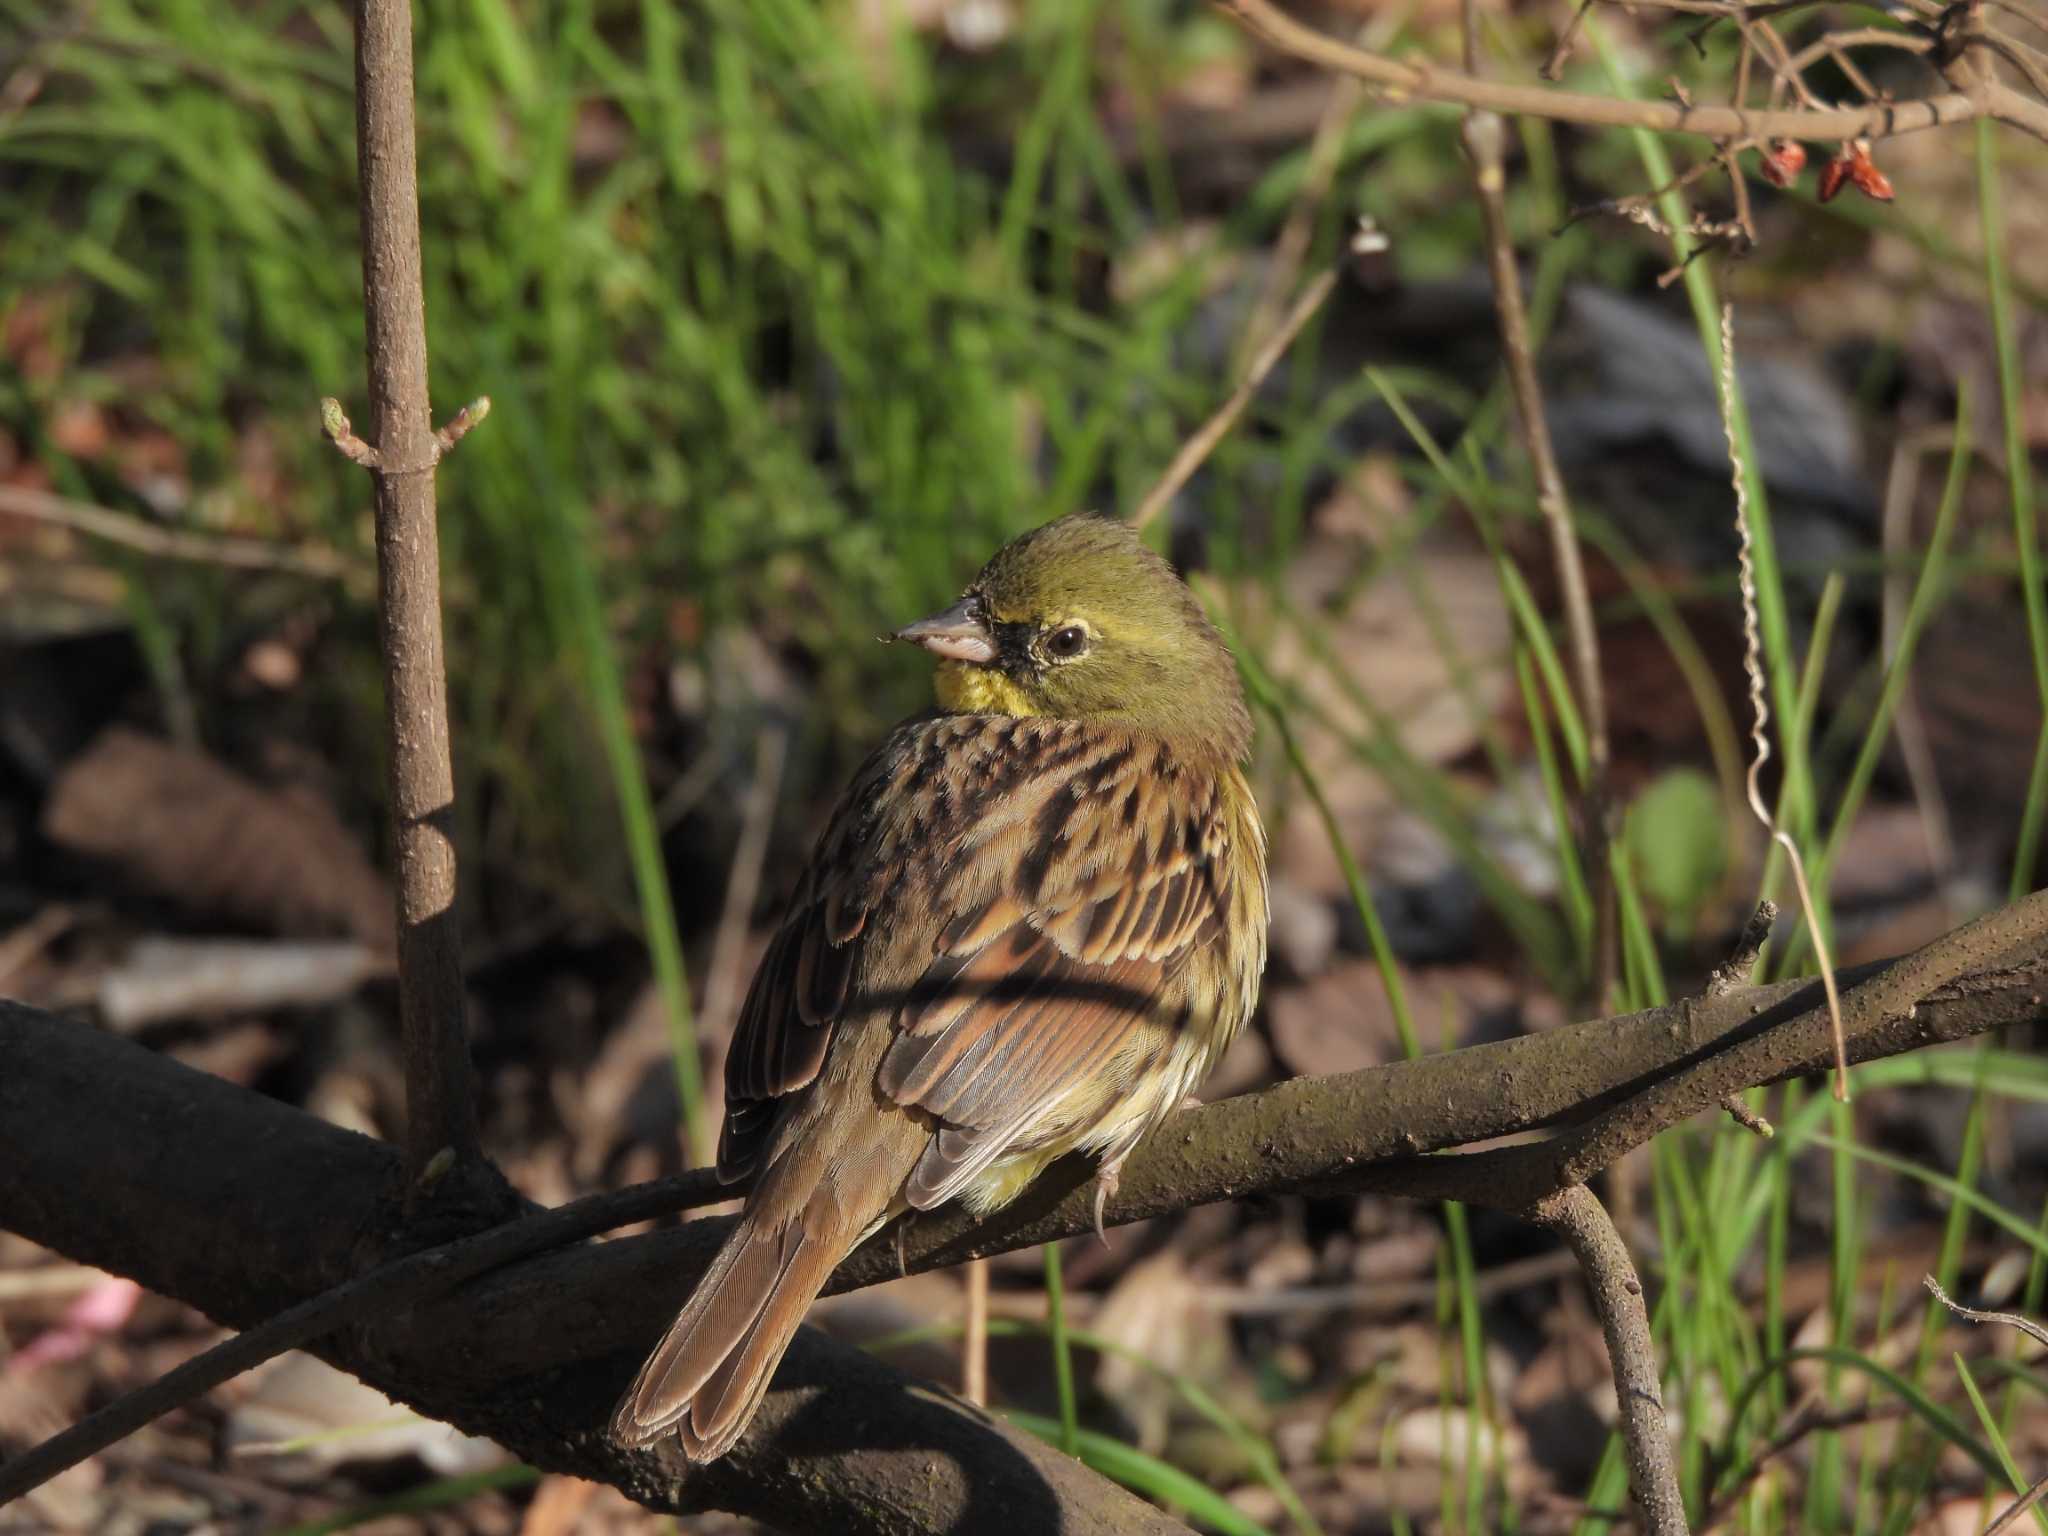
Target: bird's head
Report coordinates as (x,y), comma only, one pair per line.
(1079,620)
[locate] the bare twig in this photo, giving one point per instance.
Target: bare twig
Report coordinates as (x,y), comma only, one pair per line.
(1813,53)
(1197,448)
(1731,157)
(974,1336)
(1482,133)
(1553,67)
(2039,1335)
(174,543)
(725,975)
(20,945)
(1810,1418)
(2026,1325)
(1404,79)
(1760,731)
(1290,246)
(1617,1295)
(1731,975)
(458,426)
(2020,1506)
(441,1129)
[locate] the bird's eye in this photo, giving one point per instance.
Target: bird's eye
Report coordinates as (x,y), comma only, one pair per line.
(1065,644)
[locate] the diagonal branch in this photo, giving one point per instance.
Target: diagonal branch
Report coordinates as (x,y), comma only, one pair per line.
(151,1204)
(246,1207)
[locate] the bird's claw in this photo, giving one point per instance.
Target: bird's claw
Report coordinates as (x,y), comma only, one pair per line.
(1105,1186)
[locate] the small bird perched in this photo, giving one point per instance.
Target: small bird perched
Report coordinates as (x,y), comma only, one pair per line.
(1033,923)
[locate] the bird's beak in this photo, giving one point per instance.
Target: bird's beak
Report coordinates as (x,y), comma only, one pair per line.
(957,634)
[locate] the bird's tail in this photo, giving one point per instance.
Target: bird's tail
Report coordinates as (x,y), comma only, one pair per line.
(710,1370)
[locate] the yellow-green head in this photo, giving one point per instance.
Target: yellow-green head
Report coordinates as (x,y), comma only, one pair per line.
(1079,620)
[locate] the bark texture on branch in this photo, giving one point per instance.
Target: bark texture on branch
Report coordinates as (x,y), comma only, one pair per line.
(534,1354)
(440,1092)
(1577,1216)
(243,1206)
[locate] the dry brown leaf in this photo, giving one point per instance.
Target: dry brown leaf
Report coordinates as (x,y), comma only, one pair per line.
(186,828)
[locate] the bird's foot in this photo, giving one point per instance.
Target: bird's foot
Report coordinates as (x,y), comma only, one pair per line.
(1105,1186)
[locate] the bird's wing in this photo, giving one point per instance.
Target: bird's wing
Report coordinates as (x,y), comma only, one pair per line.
(800,990)
(1063,873)
(1073,908)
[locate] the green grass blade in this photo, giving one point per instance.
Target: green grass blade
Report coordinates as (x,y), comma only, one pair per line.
(442,1494)
(1955,1189)
(1923,1407)
(1926,592)
(1996,1436)
(1147,1475)
(1062,1356)
(2020,482)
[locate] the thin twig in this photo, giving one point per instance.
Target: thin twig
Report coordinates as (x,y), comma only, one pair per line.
(974,1336)
(2020,1506)
(1731,157)
(1198,447)
(18,946)
(724,974)
(1325,150)
(1553,67)
(2039,1335)
(1810,1418)
(458,426)
(2026,1325)
(1405,79)
(1731,975)
(441,1125)
(1617,1296)
(1482,134)
(1752,664)
(1868,37)
(175,543)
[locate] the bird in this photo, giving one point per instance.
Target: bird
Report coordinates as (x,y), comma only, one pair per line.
(1034,921)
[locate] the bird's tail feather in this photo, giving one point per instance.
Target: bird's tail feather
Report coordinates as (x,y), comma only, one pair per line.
(709,1372)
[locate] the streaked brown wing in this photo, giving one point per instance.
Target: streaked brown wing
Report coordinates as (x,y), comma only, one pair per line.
(798,993)
(1065,872)
(1042,985)
(890,861)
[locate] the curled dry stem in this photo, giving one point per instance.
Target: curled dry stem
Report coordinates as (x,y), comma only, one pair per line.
(1752,664)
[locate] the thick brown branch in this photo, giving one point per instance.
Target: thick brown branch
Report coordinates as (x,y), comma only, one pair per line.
(245,1207)
(149,1204)
(1579,1218)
